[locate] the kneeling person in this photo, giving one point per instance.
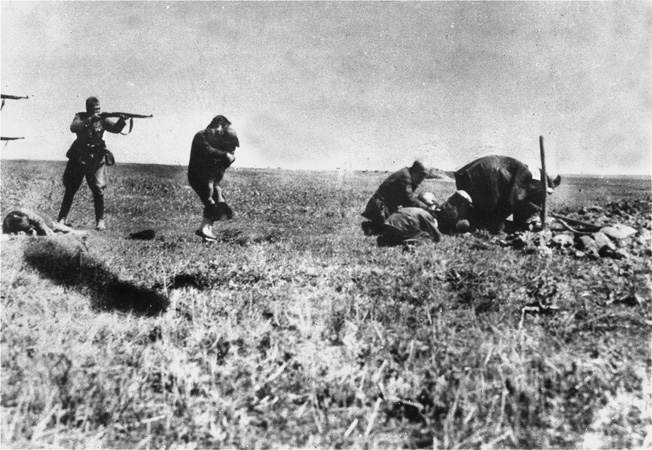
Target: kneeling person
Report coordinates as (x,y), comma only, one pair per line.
(395,192)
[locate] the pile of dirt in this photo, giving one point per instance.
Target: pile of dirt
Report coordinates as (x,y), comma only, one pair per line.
(618,230)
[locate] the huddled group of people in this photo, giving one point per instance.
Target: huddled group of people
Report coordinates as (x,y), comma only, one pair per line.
(489,189)
(397,215)
(496,193)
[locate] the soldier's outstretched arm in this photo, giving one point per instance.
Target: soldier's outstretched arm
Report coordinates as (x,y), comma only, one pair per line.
(114,127)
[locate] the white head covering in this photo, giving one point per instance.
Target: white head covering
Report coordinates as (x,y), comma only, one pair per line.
(463,195)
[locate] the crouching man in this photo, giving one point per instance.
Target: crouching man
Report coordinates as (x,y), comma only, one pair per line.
(395,192)
(411,225)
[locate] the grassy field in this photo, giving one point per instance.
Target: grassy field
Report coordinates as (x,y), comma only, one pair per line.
(295,330)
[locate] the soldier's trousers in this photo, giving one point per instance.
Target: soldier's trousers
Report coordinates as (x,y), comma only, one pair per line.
(97,180)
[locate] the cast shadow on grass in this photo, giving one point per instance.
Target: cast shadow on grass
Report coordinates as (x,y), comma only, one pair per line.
(71,266)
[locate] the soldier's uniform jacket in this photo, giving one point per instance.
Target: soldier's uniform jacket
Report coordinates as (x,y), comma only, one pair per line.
(89,148)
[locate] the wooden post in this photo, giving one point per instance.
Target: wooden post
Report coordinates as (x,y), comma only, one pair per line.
(544,180)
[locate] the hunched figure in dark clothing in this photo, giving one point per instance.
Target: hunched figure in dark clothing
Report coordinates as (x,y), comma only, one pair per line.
(396,191)
(500,186)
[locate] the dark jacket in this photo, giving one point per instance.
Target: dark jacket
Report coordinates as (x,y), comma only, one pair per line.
(208,155)
(409,224)
(500,186)
(85,130)
(89,147)
(398,190)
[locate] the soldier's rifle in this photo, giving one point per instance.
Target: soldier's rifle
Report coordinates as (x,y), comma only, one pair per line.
(5,138)
(126,115)
(11,97)
(130,116)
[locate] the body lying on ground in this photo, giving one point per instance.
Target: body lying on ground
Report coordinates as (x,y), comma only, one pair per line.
(28,222)
(501,186)
(409,225)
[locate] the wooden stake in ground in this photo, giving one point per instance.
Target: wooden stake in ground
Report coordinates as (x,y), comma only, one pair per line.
(544,180)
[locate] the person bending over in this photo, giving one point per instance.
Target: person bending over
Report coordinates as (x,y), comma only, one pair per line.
(396,191)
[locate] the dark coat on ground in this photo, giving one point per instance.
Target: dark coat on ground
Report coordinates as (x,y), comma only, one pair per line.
(501,186)
(409,224)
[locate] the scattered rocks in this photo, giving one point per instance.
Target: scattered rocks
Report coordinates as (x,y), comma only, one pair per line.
(563,240)
(588,245)
(591,209)
(619,231)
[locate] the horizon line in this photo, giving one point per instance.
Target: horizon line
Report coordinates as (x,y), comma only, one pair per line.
(339,169)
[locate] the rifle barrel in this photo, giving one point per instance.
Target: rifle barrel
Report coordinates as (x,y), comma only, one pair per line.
(128,115)
(13,97)
(4,138)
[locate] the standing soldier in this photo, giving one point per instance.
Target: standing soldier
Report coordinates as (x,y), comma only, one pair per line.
(212,152)
(86,159)
(397,190)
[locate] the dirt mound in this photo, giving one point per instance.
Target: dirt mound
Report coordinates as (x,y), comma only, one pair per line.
(618,230)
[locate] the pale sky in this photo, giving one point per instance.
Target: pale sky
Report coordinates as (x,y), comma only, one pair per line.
(351,85)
